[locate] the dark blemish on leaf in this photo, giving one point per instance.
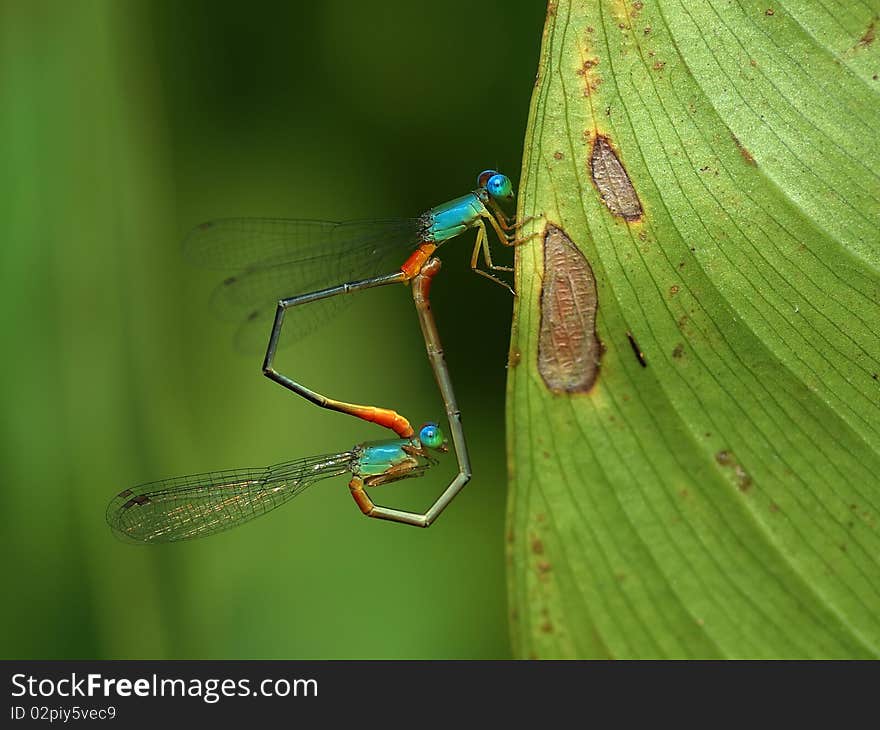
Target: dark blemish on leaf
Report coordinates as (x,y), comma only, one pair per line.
(774,507)
(875,376)
(658,65)
(637,351)
(743,479)
(868,37)
(746,155)
(557,155)
(514,358)
(568,349)
(753,63)
(231,280)
(684,493)
(673,290)
(586,66)
(547,627)
(678,351)
(543,567)
(589,29)
(591,79)
(647,30)
(769,11)
(540,517)
(612,181)
(537,546)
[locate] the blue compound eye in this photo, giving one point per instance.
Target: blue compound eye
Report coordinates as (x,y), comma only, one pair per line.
(431,436)
(500,187)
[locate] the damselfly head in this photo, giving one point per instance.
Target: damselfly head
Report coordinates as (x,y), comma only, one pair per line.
(498,186)
(431,437)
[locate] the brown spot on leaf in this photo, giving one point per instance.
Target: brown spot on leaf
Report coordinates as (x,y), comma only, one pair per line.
(769,12)
(592,80)
(678,351)
(557,155)
(637,351)
(568,349)
(868,36)
(514,358)
(658,65)
(746,155)
(743,480)
(612,181)
(537,546)
(726,458)
(673,290)
(547,627)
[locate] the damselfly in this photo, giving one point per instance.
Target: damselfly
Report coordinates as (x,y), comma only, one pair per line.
(203,504)
(275,258)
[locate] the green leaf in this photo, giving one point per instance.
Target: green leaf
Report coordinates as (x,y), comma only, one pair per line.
(715,491)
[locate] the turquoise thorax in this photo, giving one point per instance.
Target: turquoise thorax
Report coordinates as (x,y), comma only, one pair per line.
(450,219)
(376,457)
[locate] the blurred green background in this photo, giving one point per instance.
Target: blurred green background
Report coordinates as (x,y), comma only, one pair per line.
(124,124)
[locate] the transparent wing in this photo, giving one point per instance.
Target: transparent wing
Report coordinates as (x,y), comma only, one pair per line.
(250,299)
(244,243)
(277,258)
(193,506)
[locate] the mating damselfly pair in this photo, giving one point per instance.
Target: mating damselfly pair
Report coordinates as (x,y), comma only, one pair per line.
(275,257)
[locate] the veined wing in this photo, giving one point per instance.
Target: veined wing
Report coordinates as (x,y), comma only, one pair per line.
(193,506)
(279,258)
(248,243)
